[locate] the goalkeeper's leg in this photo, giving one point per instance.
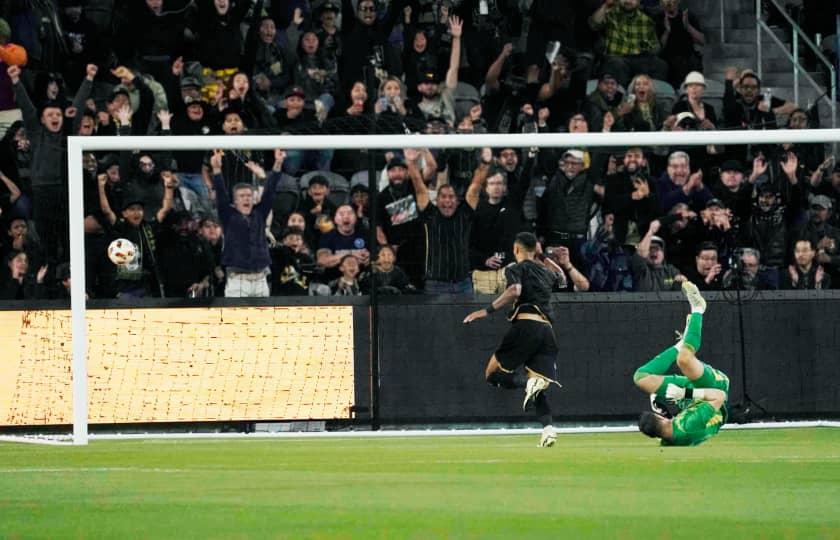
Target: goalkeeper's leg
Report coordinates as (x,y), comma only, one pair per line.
(651,377)
(687,360)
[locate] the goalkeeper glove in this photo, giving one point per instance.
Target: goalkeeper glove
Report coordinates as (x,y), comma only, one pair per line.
(674,393)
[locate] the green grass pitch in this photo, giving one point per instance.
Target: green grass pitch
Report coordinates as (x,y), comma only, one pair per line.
(741,484)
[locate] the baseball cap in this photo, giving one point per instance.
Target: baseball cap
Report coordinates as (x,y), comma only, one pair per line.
(428,76)
(574,153)
(715,202)
(319,179)
(328,6)
(732,165)
(657,240)
(685,115)
(192,100)
(823,201)
(295,91)
(189,81)
(396,162)
(607,77)
(132,198)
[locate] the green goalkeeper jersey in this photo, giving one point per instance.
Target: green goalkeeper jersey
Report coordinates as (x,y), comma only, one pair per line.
(695,424)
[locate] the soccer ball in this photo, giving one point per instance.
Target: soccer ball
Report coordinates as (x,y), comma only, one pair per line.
(122,251)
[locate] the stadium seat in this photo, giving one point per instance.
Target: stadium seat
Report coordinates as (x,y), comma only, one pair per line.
(664,89)
(359,178)
(714,89)
(287,198)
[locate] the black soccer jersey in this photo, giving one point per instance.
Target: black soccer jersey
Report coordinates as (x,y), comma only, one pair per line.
(537,283)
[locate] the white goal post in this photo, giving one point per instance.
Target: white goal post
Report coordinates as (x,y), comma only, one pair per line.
(77,145)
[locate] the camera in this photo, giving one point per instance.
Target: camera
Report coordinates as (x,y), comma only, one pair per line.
(377,59)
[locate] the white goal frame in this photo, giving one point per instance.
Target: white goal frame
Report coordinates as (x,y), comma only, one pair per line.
(77,145)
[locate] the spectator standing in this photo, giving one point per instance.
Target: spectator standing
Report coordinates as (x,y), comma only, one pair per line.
(679,185)
(631,42)
(447,228)
(219,37)
(367,54)
(681,35)
(245,252)
(289,263)
(270,65)
(345,238)
(436,101)
(49,165)
(736,193)
(185,258)
(650,271)
(498,219)
(139,277)
(211,231)
(604,100)
(640,111)
(315,71)
(745,106)
(400,225)
(317,208)
(767,228)
(628,196)
(564,208)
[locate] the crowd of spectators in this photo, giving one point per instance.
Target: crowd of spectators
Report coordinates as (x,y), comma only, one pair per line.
(250,223)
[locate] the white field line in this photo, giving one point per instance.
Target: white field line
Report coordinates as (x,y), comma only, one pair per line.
(64,440)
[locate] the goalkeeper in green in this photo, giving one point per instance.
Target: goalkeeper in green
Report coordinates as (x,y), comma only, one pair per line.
(700,392)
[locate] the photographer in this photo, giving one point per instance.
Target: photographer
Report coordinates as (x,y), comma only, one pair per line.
(747,274)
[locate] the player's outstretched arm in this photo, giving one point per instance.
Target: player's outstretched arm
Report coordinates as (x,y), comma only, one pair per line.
(716,398)
(509,295)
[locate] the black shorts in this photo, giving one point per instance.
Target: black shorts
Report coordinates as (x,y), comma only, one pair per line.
(532,344)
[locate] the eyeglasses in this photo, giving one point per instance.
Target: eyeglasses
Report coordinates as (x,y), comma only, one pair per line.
(749,86)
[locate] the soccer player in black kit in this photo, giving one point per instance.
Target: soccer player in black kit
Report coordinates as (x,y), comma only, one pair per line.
(530,341)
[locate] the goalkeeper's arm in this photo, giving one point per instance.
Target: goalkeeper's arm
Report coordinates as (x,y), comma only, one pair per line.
(713,396)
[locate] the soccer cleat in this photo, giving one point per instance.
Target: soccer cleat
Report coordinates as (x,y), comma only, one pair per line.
(533,387)
(548,437)
(692,293)
(658,407)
